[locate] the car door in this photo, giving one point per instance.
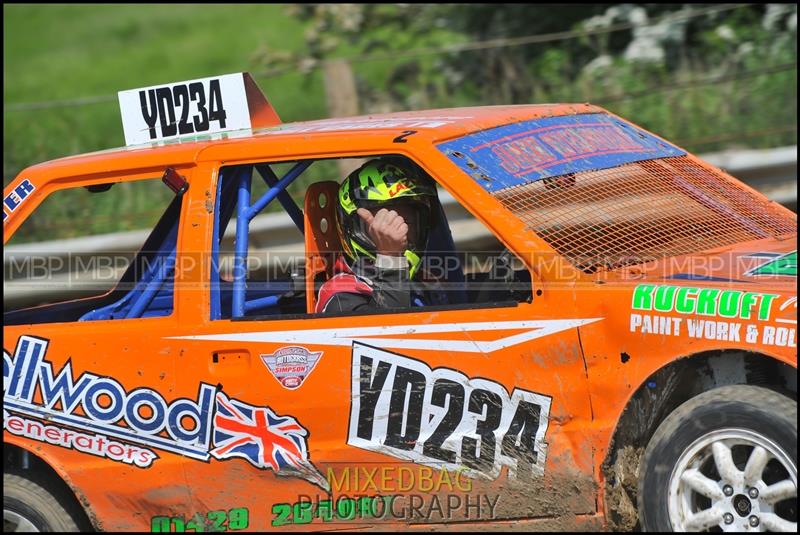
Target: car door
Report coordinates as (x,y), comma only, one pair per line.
(84,386)
(460,413)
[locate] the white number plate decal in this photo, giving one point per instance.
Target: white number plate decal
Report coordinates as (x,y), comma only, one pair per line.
(442,418)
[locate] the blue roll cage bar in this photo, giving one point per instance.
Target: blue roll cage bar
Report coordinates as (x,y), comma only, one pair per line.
(245,212)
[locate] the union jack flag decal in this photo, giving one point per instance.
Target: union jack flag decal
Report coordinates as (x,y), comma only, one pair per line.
(266,440)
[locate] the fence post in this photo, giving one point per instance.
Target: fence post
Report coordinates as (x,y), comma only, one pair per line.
(341,95)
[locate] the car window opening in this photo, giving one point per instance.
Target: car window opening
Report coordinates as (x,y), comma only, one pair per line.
(260,280)
(145,288)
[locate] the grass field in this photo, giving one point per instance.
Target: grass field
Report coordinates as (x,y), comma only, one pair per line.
(68,52)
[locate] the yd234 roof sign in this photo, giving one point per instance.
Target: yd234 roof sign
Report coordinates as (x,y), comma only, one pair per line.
(194,107)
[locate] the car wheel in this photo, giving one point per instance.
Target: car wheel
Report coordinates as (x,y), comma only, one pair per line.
(726,460)
(27,506)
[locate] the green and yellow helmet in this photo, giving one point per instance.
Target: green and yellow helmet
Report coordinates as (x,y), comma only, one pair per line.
(382,183)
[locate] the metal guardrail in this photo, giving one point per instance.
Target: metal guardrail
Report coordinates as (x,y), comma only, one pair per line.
(773,172)
(770,171)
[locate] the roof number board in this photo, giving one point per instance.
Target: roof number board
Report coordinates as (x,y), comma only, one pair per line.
(189,108)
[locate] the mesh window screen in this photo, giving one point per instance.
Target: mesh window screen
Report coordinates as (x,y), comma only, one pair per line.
(643,211)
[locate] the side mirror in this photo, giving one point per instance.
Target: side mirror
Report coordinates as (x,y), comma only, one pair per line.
(99,188)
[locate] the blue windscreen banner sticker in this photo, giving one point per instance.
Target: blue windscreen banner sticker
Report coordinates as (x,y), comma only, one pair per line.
(521,153)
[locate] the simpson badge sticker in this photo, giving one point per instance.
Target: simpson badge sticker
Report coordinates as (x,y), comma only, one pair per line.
(218,425)
(291,365)
(444,419)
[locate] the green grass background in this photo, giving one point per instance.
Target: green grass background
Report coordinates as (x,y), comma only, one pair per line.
(65,52)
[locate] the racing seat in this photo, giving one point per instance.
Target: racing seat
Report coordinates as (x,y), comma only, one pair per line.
(322,241)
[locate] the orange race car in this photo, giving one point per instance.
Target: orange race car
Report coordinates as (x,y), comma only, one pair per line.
(617,348)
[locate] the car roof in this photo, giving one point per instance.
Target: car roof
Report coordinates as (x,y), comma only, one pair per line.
(436,125)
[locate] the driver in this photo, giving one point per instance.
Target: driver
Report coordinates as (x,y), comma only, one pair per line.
(383,216)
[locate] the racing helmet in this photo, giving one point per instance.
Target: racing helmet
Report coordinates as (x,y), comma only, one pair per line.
(383,183)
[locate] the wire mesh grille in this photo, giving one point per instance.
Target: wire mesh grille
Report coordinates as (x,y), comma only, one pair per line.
(643,211)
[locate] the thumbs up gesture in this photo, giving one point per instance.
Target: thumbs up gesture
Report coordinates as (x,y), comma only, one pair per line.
(387,229)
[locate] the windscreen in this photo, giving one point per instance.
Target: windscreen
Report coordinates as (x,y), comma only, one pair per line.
(605,194)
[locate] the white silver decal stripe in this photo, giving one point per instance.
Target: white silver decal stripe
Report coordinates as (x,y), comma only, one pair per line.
(338,337)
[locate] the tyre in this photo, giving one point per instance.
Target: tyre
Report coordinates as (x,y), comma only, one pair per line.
(726,460)
(28,506)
